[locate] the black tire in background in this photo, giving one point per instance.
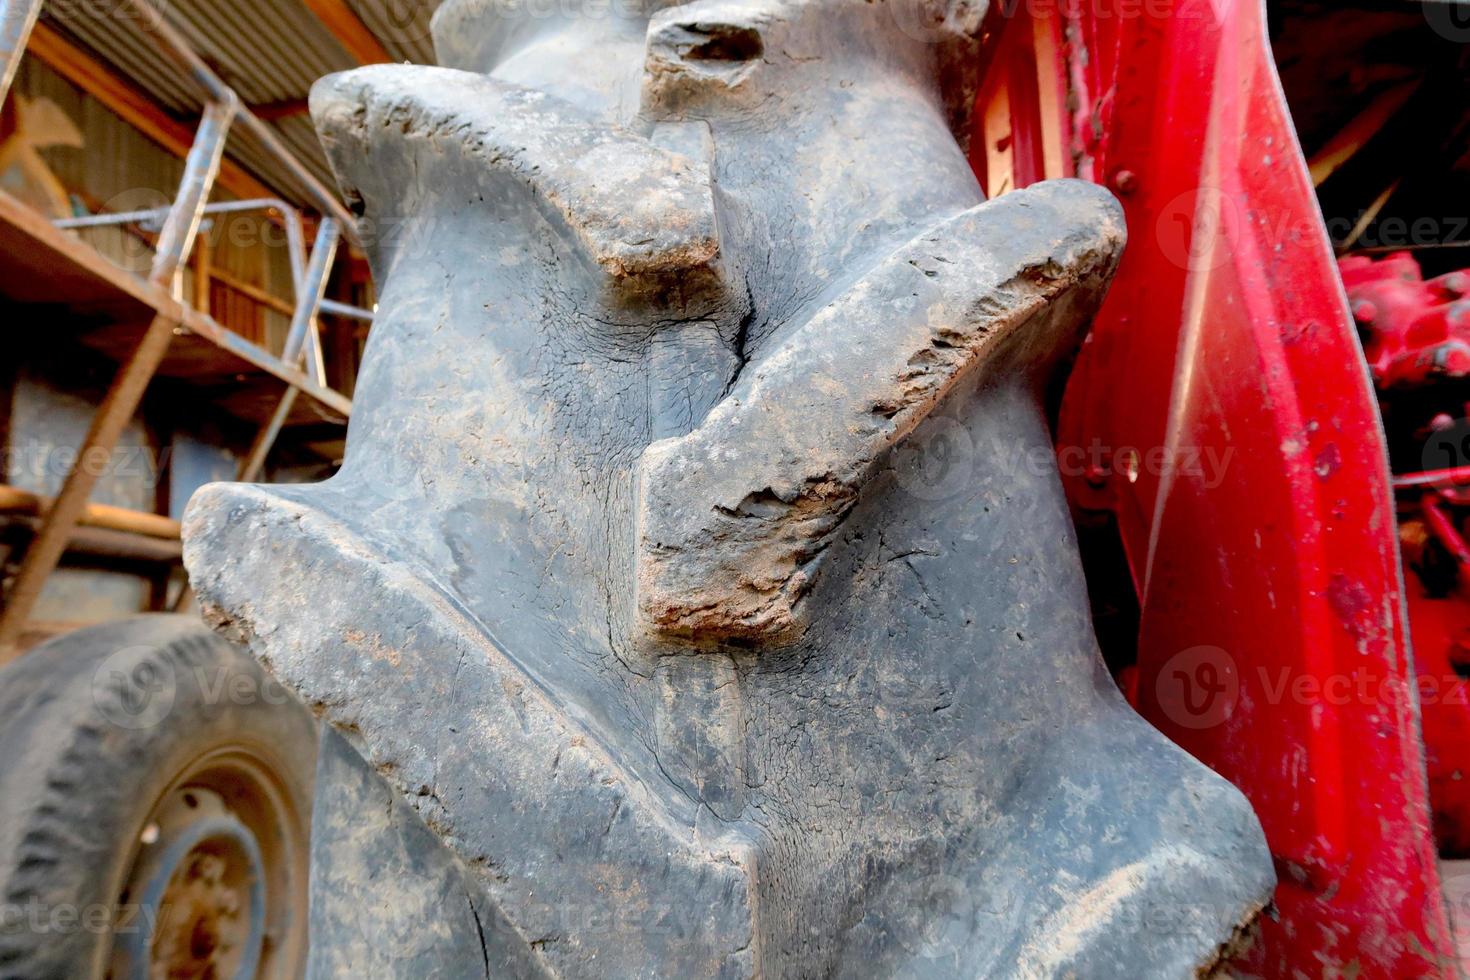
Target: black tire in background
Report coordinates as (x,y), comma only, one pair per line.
(155,800)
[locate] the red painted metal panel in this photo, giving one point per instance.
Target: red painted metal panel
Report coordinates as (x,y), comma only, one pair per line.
(1225,395)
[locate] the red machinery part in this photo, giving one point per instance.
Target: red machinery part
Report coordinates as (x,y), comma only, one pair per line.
(1414,331)
(1241,453)
(1416,337)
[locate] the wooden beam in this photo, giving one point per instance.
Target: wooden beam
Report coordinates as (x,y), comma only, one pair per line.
(286,109)
(132,105)
(70,249)
(253,292)
(349,30)
(14,500)
(201,260)
(116,410)
(101,542)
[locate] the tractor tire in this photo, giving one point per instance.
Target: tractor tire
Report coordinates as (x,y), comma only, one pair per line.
(698,569)
(155,802)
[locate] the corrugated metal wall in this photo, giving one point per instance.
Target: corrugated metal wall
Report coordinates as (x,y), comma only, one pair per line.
(269,51)
(402,26)
(119,169)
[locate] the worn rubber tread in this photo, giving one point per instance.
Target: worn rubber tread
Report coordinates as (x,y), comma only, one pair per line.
(76,785)
(779,790)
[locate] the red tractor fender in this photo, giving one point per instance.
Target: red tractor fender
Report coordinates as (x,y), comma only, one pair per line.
(1221,411)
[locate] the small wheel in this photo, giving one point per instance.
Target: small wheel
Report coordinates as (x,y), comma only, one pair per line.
(155,802)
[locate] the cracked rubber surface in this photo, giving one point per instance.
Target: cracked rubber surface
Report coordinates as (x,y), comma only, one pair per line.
(639,581)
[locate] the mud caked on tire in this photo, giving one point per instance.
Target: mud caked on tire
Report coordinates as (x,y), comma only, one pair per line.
(155,801)
(646,592)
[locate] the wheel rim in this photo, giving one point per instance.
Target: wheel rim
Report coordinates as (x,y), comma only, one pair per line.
(209,888)
(218,877)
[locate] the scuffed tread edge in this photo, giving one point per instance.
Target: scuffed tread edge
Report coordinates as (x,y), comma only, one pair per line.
(637,209)
(733,516)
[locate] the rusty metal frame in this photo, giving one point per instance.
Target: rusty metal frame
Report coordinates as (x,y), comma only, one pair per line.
(182,221)
(301,339)
(289,215)
(291,219)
